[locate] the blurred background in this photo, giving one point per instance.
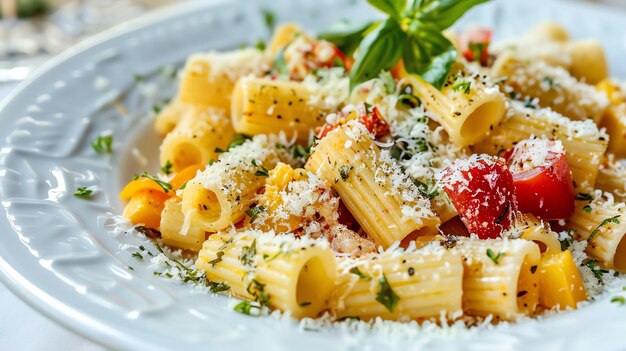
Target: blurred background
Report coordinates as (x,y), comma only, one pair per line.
(33,30)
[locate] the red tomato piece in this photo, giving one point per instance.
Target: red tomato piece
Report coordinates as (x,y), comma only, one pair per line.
(481,190)
(475,44)
(375,123)
(345,216)
(542,179)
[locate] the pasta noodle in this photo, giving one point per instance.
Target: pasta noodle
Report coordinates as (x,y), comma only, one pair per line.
(196,138)
(384,202)
(553,87)
(220,195)
(466,113)
(278,271)
(603,225)
(421,284)
(269,106)
(499,277)
(172,221)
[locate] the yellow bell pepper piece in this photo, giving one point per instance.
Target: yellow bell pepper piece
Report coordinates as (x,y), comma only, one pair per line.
(560,283)
(611,90)
(145,207)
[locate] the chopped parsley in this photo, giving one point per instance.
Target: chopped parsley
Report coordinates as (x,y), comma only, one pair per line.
(156,108)
(461,85)
(305,152)
(567,241)
(103,144)
(587,208)
(386,296)
(217,259)
(217,287)
(137,255)
(182,187)
(361,275)
(257,289)
(269,18)
(245,307)
(261,170)
(237,140)
(260,45)
(584,197)
(344,172)
(592,264)
(606,221)
(167,168)
(248,253)
(619,299)
(83,192)
(495,258)
(164,185)
(253,212)
(429,190)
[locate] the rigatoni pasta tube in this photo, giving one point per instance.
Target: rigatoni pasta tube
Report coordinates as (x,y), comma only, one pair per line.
(208,78)
(196,137)
(169,116)
(553,86)
(293,275)
(603,225)
(466,111)
(283,35)
(384,201)
(612,179)
(417,285)
(220,195)
(584,143)
(172,220)
(268,106)
(500,277)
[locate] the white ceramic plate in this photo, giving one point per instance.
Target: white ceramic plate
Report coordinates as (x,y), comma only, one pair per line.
(59,254)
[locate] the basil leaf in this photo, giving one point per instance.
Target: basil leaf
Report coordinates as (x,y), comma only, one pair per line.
(381,49)
(394,8)
(430,55)
(347,35)
(443,13)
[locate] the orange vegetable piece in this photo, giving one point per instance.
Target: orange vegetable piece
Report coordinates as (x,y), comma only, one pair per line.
(560,282)
(185,175)
(137,185)
(145,207)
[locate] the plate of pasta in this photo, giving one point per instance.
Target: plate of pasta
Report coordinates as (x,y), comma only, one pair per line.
(398,174)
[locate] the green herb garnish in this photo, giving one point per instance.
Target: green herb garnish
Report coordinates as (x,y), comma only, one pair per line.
(218,287)
(254,212)
(164,185)
(344,172)
(149,232)
(248,253)
(462,85)
(217,259)
(386,296)
(245,307)
(495,258)
(606,221)
(137,255)
(83,192)
(361,275)
(619,299)
(102,144)
(412,31)
(584,197)
(167,167)
(269,17)
(592,264)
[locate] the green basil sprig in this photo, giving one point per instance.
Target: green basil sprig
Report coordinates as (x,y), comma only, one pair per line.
(412,31)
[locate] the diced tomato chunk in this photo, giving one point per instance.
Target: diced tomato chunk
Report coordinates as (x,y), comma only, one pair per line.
(475,45)
(345,216)
(481,190)
(542,179)
(370,118)
(374,122)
